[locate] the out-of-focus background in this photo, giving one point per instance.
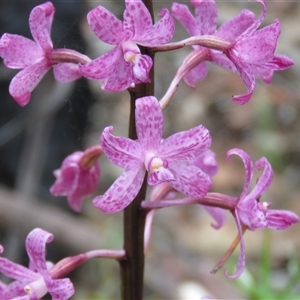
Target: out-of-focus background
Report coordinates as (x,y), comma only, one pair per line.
(63,118)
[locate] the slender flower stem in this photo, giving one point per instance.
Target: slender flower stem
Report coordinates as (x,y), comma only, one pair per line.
(132,266)
(159,192)
(228,253)
(68,264)
(104,253)
(211,199)
(67,55)
(191,61)
(90,156)
(208,41)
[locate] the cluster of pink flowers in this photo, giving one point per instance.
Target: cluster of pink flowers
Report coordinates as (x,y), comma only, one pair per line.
(181,163)
(251,51)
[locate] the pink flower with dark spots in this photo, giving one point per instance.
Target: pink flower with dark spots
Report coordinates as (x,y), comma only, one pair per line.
(250,212)
(165,160)
(205,22)
(124,65)
(34,282)
(36,57)
(78,176)
(252,53)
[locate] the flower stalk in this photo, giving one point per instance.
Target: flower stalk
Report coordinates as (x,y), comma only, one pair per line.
(132,266)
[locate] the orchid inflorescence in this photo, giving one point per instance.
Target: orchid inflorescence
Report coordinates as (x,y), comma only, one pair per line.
(181,164)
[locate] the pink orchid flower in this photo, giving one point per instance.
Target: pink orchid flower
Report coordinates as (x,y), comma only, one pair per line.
(205,23)
(124,65)
(253,55)
(252,213)
(78,176)
(36,57)
(168,160)
(34,282)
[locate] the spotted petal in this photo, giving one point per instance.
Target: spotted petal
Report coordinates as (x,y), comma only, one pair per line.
(106,26)
(280,219)
(40,22)
(217,214)
(122,191)
(66,72)
(264,181)
(189,179)
(19,52)
(103,66)
(206,15)
(159,33)
(182,13)
(149,122)
(247,74)
(137,18)
(36,248)
(26,80)
(248,168)
(121,151)
(260,46)
(185,144)
(234,27)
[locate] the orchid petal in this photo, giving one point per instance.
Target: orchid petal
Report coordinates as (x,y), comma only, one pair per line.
(260,46)
(66,72)
(161,32)
(247,75)
(234,27)
(16,271)
(75,181)
(280,219)
(221,60)
(248,167)
(121,151)
(60,289)
(137,19)
(206,15)
(36,249)
(217,214)
(255,24)
(13,290)
(142,65)
(26,80)
(252,213)
(242,257)
(279,62)
(264,181)
(19,52)
(122,79)
(106,26)
(40,22)
(65,178)
(196,74)
(266,70)
(103,66)
(159,176)
(149,122)
(122,191)
(185,144)
(207,162)
(189,179)
(182,13)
